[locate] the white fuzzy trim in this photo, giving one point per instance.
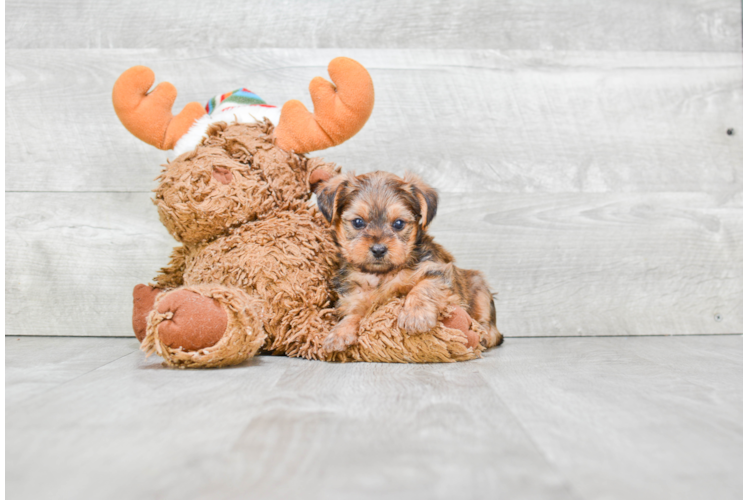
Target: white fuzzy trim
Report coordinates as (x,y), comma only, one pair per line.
(238,114)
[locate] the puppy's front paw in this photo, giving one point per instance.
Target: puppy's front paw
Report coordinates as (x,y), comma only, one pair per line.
(417,318)
(340,338)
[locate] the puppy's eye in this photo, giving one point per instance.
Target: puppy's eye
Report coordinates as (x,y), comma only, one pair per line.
(358,223)
(398,224)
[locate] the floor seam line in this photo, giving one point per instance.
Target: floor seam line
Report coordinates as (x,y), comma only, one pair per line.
(567,482)
(76,378)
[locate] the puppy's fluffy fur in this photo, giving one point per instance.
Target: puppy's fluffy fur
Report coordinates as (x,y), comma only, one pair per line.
(379,224)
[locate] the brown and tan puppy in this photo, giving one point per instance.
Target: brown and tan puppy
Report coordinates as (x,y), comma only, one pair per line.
(379,225)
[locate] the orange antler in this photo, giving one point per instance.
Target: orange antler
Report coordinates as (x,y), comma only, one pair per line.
(148,116)
(340,110)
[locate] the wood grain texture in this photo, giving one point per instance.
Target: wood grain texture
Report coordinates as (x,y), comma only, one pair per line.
(36,365)
(740,137)
(468,121)
(272,428)
(588,418)
(72,260)
(561,264)
(641,25)
(646,418)
(624,264)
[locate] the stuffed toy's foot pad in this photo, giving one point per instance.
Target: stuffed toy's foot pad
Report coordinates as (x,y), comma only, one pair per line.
(460,320)
(143,297)
(196,321)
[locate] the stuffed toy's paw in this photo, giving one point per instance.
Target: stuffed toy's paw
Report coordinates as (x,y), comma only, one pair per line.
(205,326)
(143,297)
(461,320)
(192,321)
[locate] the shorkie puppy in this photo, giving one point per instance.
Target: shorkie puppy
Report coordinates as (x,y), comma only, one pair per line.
(379,224)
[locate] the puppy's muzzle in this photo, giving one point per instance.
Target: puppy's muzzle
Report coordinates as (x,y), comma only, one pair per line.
(378,250)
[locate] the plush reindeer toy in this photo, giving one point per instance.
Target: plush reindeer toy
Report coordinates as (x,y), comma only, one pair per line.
(254,266)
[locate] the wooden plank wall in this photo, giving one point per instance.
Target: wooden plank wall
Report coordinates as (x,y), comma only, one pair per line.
(589,154)
(744,161)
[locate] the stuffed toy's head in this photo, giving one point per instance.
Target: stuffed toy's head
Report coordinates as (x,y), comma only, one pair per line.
(235,175)
(225,175)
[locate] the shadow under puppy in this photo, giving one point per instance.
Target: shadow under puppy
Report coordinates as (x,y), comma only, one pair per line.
(379,224)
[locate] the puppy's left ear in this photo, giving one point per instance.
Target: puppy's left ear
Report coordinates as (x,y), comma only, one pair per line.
(427,198)
(329,195)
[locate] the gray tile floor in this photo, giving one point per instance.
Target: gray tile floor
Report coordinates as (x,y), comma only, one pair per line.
(579,418)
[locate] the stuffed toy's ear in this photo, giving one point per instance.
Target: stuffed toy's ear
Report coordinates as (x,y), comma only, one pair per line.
(329,196)
(341,109)
(318,178)
(148,115)
(427,198)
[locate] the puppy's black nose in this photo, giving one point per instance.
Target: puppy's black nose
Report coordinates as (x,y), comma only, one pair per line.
(378,250)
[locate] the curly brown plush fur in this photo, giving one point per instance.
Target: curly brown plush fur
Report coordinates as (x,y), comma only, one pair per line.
(254,245)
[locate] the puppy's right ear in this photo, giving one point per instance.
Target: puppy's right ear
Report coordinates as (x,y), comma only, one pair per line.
(329,196)
(427,198)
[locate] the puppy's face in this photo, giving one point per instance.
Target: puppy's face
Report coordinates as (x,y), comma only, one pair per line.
(378,218)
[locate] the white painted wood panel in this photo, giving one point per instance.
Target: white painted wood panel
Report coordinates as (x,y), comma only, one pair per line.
(72,260)
(624,264)
(584,418)
(685,25)
(561,264)
(469,121)
(742,136)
